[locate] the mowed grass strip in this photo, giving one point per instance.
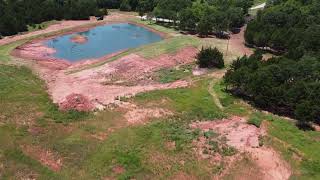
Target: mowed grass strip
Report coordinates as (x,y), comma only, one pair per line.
(5,50)
(194,103)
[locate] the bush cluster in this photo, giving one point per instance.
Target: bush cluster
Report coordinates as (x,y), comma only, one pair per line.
(280,85)
(210,58)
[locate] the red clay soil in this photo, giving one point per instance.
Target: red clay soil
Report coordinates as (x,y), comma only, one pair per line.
(65,89)
(77,102)
(237,42)
(118,170)
(142,115)
(245,138)
(87,90)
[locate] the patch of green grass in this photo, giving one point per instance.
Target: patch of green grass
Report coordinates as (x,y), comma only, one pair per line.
(6,49)
(194,102)
(214,146)
(255,120)
(23,95)
(40,26)
(225,98)
(13,159)
(228,151)
(25,163)
(173,74)
(231,104)
(210,134)
(167,46)
(155,26)
(131,147)
(297,143)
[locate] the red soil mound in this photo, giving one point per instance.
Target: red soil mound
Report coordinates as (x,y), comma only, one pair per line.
(77,102)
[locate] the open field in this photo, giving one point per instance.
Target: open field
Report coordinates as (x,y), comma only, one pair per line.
(159,120)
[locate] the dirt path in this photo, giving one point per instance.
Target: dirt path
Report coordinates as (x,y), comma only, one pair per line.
(237,42)
(214,95)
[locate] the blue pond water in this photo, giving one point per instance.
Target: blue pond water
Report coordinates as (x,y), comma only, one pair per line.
(102,40)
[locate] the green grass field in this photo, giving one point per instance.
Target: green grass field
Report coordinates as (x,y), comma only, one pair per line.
(28,117)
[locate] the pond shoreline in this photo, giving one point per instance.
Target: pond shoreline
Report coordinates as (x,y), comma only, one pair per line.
(44,53)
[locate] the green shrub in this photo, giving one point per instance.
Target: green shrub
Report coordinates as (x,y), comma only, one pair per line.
(228,151)
(209,58)
(209,134)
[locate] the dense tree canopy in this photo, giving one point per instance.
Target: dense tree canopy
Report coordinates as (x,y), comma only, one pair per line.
(289,84)
(281,85)
(16,14)
(204,16)
(287,26)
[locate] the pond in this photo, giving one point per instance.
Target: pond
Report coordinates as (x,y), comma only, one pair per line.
(101,41)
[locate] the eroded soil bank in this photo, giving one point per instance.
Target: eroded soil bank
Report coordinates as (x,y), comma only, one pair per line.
(245,139)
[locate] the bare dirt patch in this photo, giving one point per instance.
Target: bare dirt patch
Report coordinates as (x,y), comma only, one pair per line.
(91,86)
(237,42)
(118,170)
(245,138)
(140,116)
(45,157)
(76,102)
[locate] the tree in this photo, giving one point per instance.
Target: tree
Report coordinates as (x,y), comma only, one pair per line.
(209,58)
(280,85)
(206,23)
(188,21)
(169,9)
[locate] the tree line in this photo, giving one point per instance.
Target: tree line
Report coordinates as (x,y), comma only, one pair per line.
(201,16)
(15,15)
(288,84)
(287,26)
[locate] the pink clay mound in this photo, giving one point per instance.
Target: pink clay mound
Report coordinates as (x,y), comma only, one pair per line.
(76,102)
(79,39)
